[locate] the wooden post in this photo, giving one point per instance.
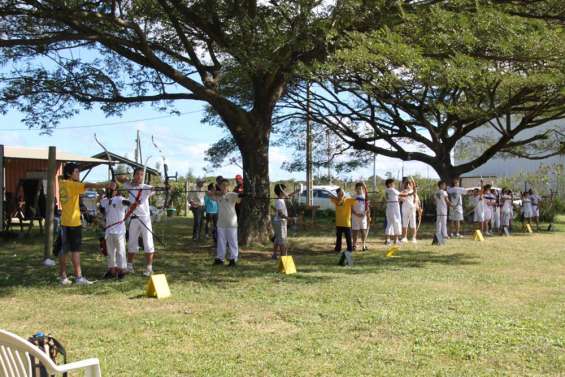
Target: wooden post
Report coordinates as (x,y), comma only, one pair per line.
(2,188)
(50,202)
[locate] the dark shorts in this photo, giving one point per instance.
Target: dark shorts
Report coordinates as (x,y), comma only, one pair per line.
(71,238)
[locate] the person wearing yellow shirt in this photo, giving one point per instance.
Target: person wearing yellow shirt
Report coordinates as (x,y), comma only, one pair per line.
(343,207)
(70,189)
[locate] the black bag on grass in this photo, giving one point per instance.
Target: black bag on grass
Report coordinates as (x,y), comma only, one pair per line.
(51,347)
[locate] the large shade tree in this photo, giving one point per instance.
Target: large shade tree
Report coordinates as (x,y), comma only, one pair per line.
(446,78)
(236,56)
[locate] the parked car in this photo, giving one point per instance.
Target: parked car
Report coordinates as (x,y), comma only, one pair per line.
(321,196)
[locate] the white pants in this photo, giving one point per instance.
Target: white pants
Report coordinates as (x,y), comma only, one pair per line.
(441,226)
(116,246)
(227,236)
(506,217)
(495,222)
(137,229)
(409,217)
(488,213)
(393,220)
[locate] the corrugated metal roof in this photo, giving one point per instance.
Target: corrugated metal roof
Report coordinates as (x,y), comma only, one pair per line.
(43,154)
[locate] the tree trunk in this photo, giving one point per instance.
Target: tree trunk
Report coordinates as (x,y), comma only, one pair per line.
(254,222)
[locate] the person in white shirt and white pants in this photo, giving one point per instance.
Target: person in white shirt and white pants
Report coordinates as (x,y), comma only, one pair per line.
(227,224)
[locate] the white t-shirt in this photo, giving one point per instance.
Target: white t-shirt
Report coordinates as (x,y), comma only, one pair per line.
(441,204)
(409,202)
(456,196)
(197,197)
(490,199)
(142,209)
(506,203)
(391,197)
(227,217)
(359,205)
(280,206)
(115,212)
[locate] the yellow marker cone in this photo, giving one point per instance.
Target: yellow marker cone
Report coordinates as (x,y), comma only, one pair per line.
(157,286)
(529,228)
(286,265)
(478,236)
(392,250)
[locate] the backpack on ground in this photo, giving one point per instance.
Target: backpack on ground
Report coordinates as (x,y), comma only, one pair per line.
(51,347)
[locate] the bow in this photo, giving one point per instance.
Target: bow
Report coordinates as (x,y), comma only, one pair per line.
(166,203)
(367,208)
(416,199)
(109,157)
(134,205)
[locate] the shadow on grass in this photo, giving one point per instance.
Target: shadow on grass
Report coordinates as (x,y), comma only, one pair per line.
(184,260)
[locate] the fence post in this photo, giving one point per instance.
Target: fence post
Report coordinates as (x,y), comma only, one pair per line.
(50,204)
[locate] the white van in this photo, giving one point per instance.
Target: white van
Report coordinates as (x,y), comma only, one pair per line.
(321,196)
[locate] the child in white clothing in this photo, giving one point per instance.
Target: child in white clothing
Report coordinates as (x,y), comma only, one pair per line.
(360,216)
(114,208)
(442,204)
(227,223)
(456,193)
(507,212)
(526,208)
(393,219)
(410,205)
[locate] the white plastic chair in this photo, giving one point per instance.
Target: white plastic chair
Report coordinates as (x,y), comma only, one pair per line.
(15,359)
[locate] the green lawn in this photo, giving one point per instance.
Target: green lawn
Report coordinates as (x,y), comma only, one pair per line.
(464,309)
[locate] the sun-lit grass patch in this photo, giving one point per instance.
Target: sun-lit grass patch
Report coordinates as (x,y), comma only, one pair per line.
(465,309)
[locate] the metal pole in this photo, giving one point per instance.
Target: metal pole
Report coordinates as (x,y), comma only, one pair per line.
(50,203)
(309,178)
(375,164)
(329,151)
(1,188)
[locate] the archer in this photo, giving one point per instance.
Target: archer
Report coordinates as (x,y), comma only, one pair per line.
(140,223)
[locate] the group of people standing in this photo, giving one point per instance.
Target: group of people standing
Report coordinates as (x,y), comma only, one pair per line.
(493,211)
(129,214)
(126,214)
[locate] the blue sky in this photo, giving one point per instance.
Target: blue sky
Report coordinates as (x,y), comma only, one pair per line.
(183,139)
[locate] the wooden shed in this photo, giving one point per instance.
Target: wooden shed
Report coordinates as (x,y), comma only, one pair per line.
(24,175)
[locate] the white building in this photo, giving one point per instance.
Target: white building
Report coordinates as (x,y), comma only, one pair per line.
(507,166)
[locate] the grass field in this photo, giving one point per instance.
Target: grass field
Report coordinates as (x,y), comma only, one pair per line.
(465,309)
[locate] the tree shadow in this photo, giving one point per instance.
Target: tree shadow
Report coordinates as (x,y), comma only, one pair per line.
(186,261)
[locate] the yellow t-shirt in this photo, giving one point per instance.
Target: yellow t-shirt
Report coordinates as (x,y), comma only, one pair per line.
(343,212)
(69,194)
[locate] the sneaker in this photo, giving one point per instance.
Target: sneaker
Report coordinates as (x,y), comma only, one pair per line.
(218,262)
(232,263)
(49,262)
(82,281)
(459,235)
(130,269)
(388,242)
(65,281)
(365,248)
(274,256)
(120,275)
(404,239)
(414,240)
(398,242)
(451,235)
(148,272)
